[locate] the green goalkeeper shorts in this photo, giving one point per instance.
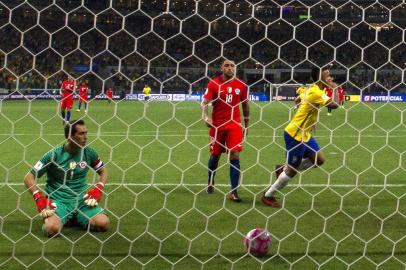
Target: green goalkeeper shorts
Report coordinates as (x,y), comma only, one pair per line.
(78,211)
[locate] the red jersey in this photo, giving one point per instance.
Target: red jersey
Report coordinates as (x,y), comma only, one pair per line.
(67,88)
(109,93)
(341,93)
(226,98)
(329,91)
(83,89)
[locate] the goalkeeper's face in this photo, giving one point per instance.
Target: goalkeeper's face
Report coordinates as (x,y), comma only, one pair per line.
(80,136)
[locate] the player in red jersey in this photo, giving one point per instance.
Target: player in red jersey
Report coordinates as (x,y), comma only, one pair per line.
(83,98)
(329,93)
(226,93)
(341,96)
(67,92)
(109,94)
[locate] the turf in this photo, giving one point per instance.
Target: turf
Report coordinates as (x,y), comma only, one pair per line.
(349,214)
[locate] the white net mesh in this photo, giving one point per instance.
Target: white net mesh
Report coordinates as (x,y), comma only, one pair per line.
(348,214)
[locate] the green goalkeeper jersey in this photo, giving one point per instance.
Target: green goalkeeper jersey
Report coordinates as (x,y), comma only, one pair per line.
(66,173)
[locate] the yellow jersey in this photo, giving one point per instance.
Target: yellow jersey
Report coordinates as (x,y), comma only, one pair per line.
(300,90)
(147,91)
(306,116)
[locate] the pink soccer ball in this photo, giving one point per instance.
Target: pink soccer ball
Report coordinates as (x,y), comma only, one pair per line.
(257,242)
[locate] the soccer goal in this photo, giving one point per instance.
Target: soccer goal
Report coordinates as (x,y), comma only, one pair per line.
(348,214)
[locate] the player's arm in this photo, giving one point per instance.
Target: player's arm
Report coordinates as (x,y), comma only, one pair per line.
(61,89)
(298,100)
(93,195)
(246,112)
(333,101)
(45,206)
(205,112)
(206,99)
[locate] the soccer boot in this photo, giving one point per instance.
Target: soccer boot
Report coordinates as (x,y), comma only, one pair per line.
(77,110)
(210,187)
(233,196)
(271,201)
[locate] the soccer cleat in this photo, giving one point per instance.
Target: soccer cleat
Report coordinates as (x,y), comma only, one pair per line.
(85,111)
(210,189)
(233,196)
(278,170)
(77,110)
(328,114)
(271,201)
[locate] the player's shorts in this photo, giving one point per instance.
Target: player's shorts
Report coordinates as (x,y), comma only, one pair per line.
(76,210)
(146,98)
(82,99)
(66,103)
(296,151)
(223,139)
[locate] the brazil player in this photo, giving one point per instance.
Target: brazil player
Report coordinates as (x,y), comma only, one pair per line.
(147,92)
(69,198)
(302,150)
(226,93)
(83,98)
(67,92)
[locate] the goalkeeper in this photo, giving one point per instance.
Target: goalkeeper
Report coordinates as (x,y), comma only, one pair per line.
(69,198)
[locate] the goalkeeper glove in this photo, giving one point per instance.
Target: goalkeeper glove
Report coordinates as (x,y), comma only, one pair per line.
(93,196)
(45,206)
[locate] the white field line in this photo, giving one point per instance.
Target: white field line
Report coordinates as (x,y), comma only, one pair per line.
(227,185)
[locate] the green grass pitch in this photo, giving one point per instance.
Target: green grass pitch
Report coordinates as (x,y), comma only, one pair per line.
(349,214)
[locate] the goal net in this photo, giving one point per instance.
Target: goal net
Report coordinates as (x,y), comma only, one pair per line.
(347,214)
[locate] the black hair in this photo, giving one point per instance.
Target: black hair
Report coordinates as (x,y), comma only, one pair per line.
(316,72)
(70,128)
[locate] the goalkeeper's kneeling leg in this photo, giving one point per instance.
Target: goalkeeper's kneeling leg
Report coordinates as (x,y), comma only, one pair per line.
(99,222)
(52,226)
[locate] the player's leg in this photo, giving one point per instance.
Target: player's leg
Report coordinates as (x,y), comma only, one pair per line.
(68,114)
(212,167)
(234,143)
(329,110)
(85,106)
(312,156)
(99,223)
(79,104)
(92,217)
(235,172)
(54,224)
(294,155)
(63,110)
(216,148)
(69,105)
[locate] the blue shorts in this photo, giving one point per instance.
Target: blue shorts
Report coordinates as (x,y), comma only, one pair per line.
(296,151)
(146,98)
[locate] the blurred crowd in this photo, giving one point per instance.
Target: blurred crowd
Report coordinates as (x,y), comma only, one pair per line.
(177,48)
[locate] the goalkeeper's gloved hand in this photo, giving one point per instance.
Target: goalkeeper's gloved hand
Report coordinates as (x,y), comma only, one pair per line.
(45,206)
(93,196)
